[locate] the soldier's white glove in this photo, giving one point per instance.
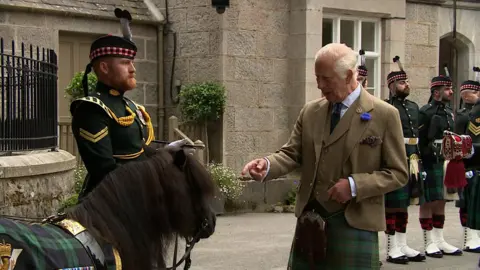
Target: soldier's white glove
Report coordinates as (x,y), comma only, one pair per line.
(180,143)
(469,174)
(424,175)
(177,143)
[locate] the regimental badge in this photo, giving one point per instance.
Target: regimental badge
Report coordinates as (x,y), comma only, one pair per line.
(8,256)
(477,120)
(140,116)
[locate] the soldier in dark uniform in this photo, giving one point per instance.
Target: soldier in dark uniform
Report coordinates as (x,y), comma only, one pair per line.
(469,91)
(362,76)
(434,118)
(109,128)
(397,202)
(472,165)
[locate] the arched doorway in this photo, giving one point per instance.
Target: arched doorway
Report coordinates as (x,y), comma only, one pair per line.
(464,50)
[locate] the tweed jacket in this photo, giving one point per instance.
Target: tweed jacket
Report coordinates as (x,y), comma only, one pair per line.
(371,151)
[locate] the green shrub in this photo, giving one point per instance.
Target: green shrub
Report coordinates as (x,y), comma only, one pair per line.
(202,102)
(292,194)
(75,89)
(227,181)
(79,176)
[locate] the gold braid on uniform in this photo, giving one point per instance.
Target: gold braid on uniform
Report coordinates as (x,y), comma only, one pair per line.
(151,135)
(124,120)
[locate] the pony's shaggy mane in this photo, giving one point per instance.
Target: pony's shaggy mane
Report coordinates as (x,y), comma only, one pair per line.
(140,205)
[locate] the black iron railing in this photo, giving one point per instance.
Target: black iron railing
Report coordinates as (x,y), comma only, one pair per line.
(28,98)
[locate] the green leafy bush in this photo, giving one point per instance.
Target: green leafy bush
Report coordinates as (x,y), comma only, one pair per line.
(79,176)
(226,181)
(202,102)
(292,194)
(75,89)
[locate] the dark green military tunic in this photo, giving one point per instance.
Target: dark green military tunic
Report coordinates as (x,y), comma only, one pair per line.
(473,164)
(461,124)
(110,130)
(434,118)
(463,118)
(408,111)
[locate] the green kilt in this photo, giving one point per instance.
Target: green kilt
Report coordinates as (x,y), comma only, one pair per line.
(399,198)
(408,194)
(473,202)
(433,184)
(346,247)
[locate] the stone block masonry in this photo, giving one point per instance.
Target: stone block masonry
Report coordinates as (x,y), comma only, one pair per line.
(246,49)
(34,185)
(43,29)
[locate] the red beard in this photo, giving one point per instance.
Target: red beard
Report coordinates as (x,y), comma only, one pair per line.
(129,84)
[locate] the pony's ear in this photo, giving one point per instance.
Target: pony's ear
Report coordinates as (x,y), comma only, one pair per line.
(180,158)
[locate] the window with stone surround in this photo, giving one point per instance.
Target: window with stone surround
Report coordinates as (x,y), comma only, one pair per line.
(357,33)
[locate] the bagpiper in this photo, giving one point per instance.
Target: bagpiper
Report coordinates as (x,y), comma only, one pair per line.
(470,93)
(397,202)
(434,118)
(109,128)
(362,70)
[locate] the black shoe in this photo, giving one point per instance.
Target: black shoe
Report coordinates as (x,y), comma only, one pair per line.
(399,260)
(437,254)
(419,258)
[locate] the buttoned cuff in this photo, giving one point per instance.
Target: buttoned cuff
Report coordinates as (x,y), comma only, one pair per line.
(353,188)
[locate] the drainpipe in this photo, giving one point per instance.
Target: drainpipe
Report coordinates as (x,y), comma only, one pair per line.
(160,92)
(160,101)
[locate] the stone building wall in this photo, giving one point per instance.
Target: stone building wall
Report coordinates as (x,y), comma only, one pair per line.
(246,49)
(426,25)
(421,48)
(43,27)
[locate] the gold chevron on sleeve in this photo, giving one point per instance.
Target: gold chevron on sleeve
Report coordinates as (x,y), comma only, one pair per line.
(474,129)
(93,137)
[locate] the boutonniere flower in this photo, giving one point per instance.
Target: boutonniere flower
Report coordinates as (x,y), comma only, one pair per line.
(365,117)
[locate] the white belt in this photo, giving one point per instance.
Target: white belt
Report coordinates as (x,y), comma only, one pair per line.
(438,141)
(410,141)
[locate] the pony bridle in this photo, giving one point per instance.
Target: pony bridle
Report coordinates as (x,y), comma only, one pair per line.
(188,249)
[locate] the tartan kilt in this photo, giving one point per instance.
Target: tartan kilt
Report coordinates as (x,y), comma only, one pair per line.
(433,185)
(43,246)
(398,198)
(473,202)
(345,247)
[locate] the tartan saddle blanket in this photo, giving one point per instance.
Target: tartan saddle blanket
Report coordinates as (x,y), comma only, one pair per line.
(59,245)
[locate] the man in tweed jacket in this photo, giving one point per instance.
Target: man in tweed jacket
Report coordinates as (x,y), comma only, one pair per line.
(350,147)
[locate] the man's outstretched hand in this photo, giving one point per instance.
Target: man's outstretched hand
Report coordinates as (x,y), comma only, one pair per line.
(256,168)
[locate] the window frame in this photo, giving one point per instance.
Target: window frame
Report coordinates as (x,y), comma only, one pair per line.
(376,55)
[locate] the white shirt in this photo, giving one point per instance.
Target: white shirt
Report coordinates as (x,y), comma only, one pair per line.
(347,102)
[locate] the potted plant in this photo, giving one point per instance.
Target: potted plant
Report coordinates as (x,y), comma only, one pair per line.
(201,103)
(74,90)
(229,188)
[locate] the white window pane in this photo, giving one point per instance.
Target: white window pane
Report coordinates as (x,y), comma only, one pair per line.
(372,72)
(347,33)
(327,31)
(368,36)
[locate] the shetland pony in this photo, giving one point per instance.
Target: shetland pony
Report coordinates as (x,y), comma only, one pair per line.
(133,215)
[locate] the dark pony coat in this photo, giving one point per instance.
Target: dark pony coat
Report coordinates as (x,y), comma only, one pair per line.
(140,206)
